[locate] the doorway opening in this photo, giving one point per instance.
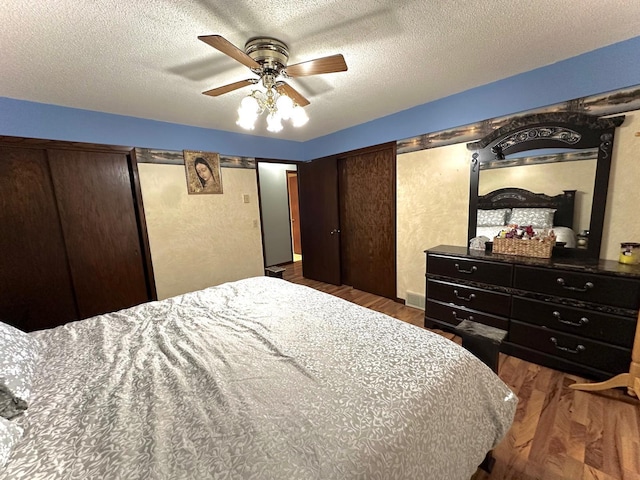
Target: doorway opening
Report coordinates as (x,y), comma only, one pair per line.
(294,214)
(279,212)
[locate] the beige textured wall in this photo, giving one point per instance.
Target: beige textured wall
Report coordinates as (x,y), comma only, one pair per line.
(551,179)
(200,240)
(622,218)
(432,208)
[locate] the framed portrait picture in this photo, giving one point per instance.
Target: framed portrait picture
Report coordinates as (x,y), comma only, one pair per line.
(203,172)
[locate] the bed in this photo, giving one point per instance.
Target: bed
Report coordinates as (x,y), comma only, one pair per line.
(258,378)
(518,206)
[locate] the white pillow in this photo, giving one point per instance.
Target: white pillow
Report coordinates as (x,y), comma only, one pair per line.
(10,433)
(489,218)
(19,353)
(536,217)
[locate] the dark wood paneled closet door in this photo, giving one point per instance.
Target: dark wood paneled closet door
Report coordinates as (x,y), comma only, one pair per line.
(368,221)
(35,286)
(95,202)
(319,220)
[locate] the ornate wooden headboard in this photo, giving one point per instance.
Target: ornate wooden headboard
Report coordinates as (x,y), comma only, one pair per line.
(519,197)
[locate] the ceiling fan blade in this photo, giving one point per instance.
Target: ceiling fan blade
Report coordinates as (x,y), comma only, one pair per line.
(334,63)
(225,46)
(292,93)
(229,88)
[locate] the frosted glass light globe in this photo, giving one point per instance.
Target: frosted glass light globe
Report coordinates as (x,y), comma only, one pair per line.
(250,104)
(245,123)
(246,118)
(274,123)
(284,105)
(299,116)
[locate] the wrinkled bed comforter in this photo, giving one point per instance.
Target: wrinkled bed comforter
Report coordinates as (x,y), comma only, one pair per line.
(256,379)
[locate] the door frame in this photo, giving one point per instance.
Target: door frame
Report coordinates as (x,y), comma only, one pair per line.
(289,174)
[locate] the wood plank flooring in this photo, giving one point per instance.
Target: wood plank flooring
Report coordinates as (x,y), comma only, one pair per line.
(558,433)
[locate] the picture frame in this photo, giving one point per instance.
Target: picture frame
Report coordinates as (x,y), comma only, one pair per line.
(202,170)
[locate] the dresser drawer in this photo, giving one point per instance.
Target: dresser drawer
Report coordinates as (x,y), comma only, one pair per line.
(577,321)
(602,289)
(452,315)
(468,269)
(592,353)
(470,297)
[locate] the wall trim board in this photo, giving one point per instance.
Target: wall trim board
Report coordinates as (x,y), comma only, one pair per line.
(577,156)
(142,155)
(174,157)
(608,103)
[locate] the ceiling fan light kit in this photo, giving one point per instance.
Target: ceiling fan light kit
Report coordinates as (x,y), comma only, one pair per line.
(277,104)
(267,57)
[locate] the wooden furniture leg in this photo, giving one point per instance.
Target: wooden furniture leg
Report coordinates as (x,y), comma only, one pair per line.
(631,380)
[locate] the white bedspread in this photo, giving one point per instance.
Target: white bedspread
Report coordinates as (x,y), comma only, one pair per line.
(257,379)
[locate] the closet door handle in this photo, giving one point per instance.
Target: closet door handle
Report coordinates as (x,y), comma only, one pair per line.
(578,349)
(460,297)
(473,269)
(561,281)
(334,231)
(580,323)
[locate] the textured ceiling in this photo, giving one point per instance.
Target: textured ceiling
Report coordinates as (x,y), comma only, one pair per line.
(143,58)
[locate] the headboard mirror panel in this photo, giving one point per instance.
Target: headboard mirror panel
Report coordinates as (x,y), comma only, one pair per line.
(570,177)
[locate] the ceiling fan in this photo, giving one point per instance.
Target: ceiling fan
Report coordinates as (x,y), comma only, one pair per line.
(267,57)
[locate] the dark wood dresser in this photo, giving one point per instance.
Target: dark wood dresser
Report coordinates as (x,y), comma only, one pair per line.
(571,315)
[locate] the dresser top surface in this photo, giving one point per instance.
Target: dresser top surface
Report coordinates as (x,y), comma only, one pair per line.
(588,266)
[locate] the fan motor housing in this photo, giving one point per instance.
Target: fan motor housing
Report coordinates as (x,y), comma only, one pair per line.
(269,52)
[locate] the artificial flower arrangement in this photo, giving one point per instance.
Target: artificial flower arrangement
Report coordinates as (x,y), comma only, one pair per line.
(523,240)
(524,233)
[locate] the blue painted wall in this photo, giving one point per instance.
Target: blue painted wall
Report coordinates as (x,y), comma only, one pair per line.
(602,70)
(37,120)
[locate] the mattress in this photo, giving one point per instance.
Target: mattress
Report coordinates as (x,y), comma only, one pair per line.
(256,379)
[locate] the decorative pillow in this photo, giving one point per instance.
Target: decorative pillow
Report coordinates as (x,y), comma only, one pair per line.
(10,433)
(536,217)
(489,218)
(19,354)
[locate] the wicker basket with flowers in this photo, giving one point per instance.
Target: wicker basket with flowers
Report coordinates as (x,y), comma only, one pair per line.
(519,240)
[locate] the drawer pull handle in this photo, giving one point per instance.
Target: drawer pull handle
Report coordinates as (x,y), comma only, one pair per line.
(583,321)
(466,299)
(562,283)
(473,269)
(579,348)
(455,315)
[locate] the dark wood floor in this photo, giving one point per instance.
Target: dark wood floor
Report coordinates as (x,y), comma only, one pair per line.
(558,433)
